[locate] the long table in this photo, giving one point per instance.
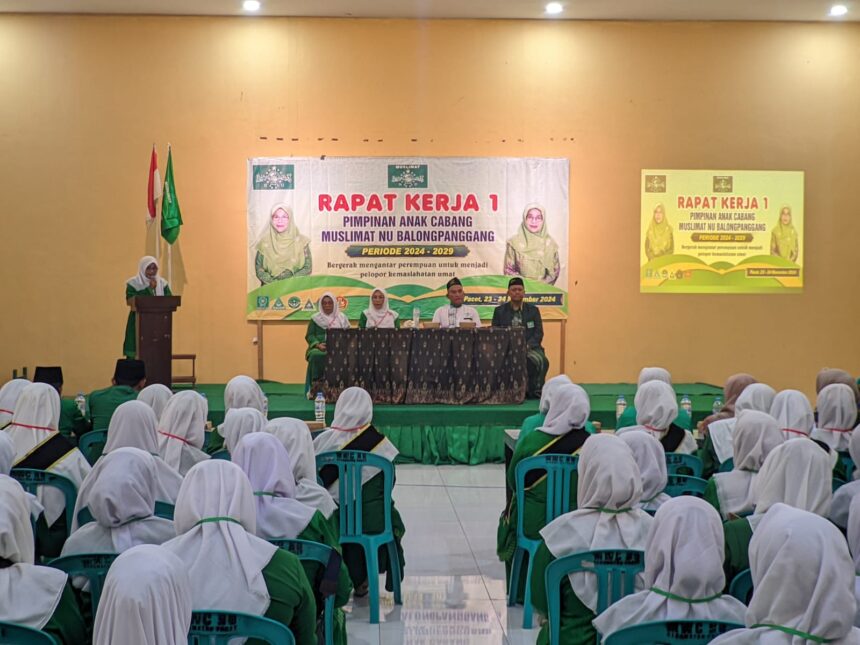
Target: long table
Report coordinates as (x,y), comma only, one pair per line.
(420,366)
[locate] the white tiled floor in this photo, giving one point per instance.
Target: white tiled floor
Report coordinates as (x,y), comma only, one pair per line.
(454,591)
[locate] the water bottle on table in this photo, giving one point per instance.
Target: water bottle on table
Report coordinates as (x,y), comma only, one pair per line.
(687,404)
(416,317)
(81,402)
(620,406)
(718,404)
(319,408)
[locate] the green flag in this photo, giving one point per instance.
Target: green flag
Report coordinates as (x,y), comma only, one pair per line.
(171,217)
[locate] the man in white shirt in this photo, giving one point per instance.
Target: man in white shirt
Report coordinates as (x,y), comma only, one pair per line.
(455,313)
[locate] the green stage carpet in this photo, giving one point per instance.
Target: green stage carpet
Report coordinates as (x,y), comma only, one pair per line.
(453,434)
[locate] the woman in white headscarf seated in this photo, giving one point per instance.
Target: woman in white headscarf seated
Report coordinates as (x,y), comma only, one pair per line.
(295,436)
(146,600)
(279,515)
(844,494)
(182,431)
(797,473)
(793,413)
(378,314)
(651,459)
(229,567)
(352,429)
(121,500)
(33,596)
(628,417)
(755,435)
(7,458)
(684,576)
(530,424)
(656,407)
(238,422)
(241,392)
(156,396)
(39,445)
(608,517)
(9,394)
(854,546)
(803,581)
(837,416)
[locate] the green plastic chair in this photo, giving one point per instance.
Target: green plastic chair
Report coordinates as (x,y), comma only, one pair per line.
(221,454)
(12,634)
(727,466)
(559,470)
(92,444)
(92,566)
(616,571)
(308,551)
(678,485)
(30,479)
(681,464)
(213,627)
(742,586)
(162,510)
(671,632)
(847,463)
(349,464)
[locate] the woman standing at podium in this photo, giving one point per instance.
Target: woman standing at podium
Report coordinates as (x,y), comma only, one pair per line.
(147,282)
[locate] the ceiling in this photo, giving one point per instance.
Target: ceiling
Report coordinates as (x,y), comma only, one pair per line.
(774,10)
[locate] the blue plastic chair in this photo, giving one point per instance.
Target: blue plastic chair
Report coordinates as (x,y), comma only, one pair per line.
(681,464)
(162,510)
(671,632)
(742,586)
(92,566)
(221,454)
(214,627)
(92,444)
(837,483)
(847,463)
(616,571)
(349,464)
(308,551)
(678,485)
(30,479)
(12,634)
(559,470)
(727,466)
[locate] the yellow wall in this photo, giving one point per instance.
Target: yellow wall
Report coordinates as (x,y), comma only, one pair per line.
(82,99)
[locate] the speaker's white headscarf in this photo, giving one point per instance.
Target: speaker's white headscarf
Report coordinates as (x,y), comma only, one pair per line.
(238,422)
(155,396)
(549,389)
(334,320)
(141,282)
(651,459)
(243,392)
(382,318)
(837,415)
(568,409)
(9,394)
(181,431)
(793,413)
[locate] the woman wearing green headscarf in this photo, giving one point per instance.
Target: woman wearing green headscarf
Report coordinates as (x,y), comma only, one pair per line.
(658,239)
(532,253)
(783,238)
(282,252)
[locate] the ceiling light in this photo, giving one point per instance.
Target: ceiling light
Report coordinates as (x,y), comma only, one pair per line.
(251,5)
(554,8)
(838,10)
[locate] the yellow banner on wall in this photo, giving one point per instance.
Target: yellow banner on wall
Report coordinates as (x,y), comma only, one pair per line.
(721,231)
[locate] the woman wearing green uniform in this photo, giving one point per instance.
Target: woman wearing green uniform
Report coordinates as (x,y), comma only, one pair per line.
(328,316)
(784,241)
(658,237)
(536,420)
(563,433)
(147,282)
(837,415)
(531,252)
(279,515)
(379,315)
(607,517)
(34,596)
(351,429)
(282,252)
(229,567)
(656,407)
(718,427)
(628,417)
(651,459)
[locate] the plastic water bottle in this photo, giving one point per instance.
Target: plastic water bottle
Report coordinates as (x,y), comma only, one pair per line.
(620,406)
(718,404)
(687,404)
(319,408)
(81,402)
(416,317)
(265,406)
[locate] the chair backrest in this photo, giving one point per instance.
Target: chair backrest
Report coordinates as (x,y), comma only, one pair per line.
(742,586)
(837,483)
(305,550)
(214,627)
(671,632)
(682,464)
(92,444)
(349,464)
(84,516)
(728,465)
(12,634)
(559,470)
(678,485)
(92,566)
(164,510)
(30,479)
(616,571)
(847,464)
(221,454)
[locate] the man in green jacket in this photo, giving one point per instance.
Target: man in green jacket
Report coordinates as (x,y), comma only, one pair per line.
(129,378)
(72,422)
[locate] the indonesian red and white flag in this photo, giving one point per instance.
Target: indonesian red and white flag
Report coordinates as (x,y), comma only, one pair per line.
(153,189)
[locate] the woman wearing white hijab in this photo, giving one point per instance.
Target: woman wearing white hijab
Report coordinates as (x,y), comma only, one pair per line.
(121,500)
(837,416)
(39,445)
(279,515)
(33,596)
(608,517)
(755,396)
(845,493)
(244,392)
(147,282)
(536,420)
(656,407)
(651,459)
(684,576)
(797,473)
(352,429)
(229,567)
(296,438)
(803,581)
(378,315)
(755,435)
(328,316)
(793,413)
(239,422)
(181,431)
(9,394)
(156,396)
(854,546)
(628,417)
(7,457)
(146,600)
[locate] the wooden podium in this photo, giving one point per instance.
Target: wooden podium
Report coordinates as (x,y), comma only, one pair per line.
(154,334)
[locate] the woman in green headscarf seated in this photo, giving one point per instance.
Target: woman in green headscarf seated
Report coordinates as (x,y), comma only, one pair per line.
(783,238)
(658,239)
(282,251)
(532,253)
